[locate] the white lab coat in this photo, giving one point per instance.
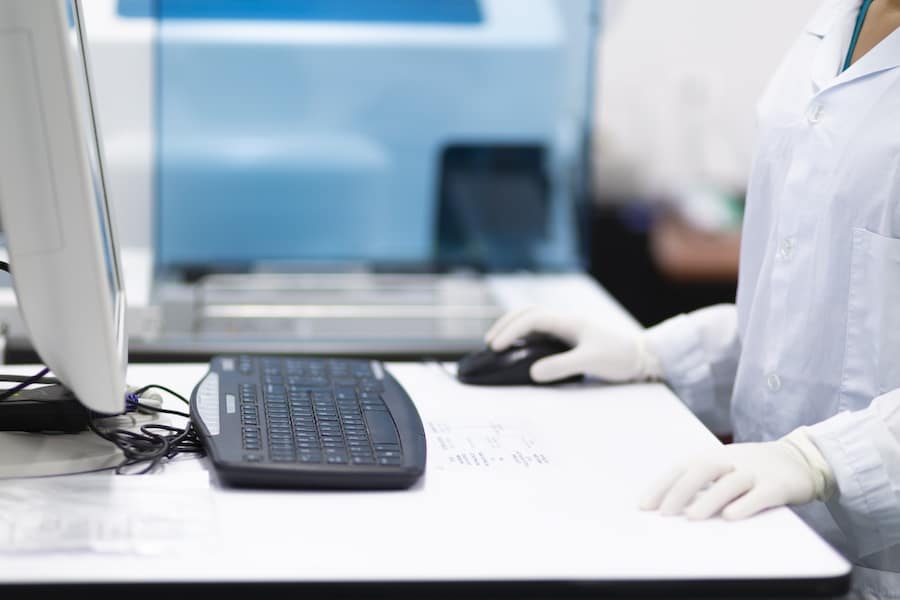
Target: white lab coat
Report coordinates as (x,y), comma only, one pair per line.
(814,338)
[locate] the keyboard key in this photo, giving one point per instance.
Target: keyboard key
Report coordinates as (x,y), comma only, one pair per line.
(387,447)
(381,427)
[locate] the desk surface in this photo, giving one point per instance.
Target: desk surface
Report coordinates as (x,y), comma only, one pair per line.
(556,516)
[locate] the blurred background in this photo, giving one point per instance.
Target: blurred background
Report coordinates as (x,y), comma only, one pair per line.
(267,159)
(677,84)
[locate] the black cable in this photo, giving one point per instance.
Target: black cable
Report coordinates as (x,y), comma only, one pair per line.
(48,380)
(27,381)
(149,445)
(138,447)
(153,386)
(168,411)
(153,443)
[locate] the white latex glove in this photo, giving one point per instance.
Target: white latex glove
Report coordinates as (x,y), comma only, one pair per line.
(611,352)
(740,480)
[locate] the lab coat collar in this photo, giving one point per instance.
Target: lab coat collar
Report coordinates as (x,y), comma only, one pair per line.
(828,14)
(833,25)
(885,56)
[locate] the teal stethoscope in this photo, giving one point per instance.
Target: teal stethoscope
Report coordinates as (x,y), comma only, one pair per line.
(859,23)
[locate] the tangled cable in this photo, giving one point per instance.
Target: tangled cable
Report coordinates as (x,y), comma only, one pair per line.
(153,442)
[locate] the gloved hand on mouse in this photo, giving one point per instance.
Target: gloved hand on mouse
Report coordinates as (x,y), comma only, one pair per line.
(735,480)
(611,352)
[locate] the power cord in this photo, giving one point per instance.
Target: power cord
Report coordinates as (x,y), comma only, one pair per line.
(149,445)
(154,442)
(25,381)
(48,380)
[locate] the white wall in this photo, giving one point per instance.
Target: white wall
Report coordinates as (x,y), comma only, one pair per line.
(678,81)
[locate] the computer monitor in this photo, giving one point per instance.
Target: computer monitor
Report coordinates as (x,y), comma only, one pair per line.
(58,226)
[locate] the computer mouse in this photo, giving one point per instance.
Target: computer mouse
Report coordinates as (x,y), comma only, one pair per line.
(511,366)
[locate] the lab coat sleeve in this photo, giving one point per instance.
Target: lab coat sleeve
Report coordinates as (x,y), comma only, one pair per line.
(699,352)
(863,450)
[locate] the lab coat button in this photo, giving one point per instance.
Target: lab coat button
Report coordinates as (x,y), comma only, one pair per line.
(815,114)
(773,382)
(786,248)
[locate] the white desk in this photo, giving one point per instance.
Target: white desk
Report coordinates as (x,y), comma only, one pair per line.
(566,525)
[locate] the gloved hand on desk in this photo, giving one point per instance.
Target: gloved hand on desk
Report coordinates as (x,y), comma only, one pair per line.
(740,480)
(736,480)
(610,351)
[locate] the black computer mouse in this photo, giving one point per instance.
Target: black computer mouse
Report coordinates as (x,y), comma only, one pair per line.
(511,366)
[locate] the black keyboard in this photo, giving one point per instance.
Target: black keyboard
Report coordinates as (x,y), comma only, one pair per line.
(298,422)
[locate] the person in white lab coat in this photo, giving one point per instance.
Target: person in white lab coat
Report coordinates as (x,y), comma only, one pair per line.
(805,368)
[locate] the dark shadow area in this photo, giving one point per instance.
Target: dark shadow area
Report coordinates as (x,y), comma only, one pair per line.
(621,261)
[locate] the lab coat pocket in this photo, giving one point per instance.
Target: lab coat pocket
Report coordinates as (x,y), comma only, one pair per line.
(872,352)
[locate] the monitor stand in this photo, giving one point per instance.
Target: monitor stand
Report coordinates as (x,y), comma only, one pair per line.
(38,454)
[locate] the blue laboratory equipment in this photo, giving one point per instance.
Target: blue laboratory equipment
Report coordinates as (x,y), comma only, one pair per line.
(397,135)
